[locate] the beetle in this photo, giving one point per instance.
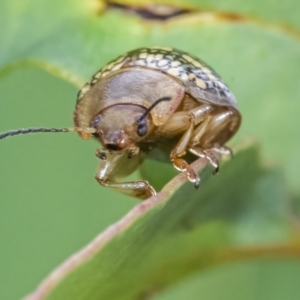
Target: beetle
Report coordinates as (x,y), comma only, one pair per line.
(152,98)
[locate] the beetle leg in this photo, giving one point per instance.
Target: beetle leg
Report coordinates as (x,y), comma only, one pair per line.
(117,165)
(218,129)
(185,121)
(178,151)
(180,121)
(199,131)
(205,133)
(138,189)
(223,150)
(207,154)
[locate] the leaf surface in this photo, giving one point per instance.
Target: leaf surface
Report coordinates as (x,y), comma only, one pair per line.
(180,231)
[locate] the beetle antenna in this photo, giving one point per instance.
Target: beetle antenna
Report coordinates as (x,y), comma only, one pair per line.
(35,130)
(147,112)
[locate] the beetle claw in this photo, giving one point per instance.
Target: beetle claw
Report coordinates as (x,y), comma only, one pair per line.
(216,170)
(193,177)
(101,154)
(197,183)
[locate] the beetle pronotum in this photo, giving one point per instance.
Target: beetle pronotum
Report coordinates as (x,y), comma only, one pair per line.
(150,98)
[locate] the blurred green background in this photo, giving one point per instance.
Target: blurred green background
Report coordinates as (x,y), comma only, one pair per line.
(50,204)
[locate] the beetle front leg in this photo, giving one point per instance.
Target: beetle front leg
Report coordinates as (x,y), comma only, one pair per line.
(138,189)
(114,166)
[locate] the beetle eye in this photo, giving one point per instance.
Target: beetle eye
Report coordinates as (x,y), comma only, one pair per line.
(95,121)
(142,127)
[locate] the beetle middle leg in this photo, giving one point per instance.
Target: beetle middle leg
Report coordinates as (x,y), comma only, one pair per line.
(179,163)
(185,121)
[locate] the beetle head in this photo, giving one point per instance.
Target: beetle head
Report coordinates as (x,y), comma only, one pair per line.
(119,127)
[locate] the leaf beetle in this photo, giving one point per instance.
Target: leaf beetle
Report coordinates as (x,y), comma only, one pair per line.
(152,98)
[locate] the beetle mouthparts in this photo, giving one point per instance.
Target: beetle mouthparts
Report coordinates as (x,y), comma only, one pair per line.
(112,147)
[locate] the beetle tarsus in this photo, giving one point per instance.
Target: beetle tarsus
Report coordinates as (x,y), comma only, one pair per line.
(223,150)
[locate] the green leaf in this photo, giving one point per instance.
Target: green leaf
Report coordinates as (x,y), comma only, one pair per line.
(280,14)
(253,279)
(180,231)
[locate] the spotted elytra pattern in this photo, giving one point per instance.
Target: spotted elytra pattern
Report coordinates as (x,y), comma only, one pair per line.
(200,80)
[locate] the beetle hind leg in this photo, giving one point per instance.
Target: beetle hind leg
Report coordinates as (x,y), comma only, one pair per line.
(208,155)
(223,150)
(208,138)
